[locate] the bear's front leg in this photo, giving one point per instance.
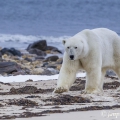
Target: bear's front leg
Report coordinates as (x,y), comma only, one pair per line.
(67,76)
(93,83)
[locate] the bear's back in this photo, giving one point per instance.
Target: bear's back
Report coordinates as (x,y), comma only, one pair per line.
(105,33)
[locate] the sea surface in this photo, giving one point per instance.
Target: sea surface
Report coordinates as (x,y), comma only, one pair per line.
(26,21)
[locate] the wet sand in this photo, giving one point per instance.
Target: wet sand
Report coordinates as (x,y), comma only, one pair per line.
(83,115)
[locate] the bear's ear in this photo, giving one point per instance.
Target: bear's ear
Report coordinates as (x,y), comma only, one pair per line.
(64,41)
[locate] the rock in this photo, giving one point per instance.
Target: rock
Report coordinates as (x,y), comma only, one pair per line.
(28,59)
(19,73)
(15,52)
(39,57)
(53,49)
(28,56)
(110,73)
(25,62)
(41,45)
(27,71)
(5,75)
(44,64)
(36,63)
(59,61)
(37,71)
(51,58)
(48,51)
(59,67)
(8,67)
(8,53)
(1,60)
(37,52)
(46,72)
(30,80)
(52,66)
(53,71)
(0,55)
(5,57)
(11,51)
(15,58)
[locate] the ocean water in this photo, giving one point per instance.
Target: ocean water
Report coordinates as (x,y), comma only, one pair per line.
(25,21)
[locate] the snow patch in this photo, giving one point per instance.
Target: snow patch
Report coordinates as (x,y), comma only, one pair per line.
(23,78)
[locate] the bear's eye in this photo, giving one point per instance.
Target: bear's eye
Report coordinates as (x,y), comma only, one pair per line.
(75,47)
(68,47)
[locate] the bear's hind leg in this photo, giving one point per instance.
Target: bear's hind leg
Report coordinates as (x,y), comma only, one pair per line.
(94,81)
(102,79)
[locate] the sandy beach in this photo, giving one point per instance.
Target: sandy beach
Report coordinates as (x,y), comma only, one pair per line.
(86,115)
(19,100)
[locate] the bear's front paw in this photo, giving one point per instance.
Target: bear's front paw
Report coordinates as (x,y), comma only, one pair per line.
(60,90)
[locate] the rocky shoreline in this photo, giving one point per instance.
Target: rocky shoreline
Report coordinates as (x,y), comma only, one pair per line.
(37,59)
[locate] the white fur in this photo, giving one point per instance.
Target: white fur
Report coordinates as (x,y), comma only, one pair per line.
(97,50)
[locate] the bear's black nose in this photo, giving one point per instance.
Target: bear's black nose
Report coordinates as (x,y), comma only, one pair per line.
(71,57)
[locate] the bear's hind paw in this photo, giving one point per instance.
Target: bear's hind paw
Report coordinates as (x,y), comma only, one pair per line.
(97,92)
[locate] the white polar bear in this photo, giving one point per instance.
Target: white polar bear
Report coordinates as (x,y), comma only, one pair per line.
(95,51)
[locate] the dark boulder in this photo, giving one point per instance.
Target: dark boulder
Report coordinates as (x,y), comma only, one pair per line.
(19,73)
(11,51)
(53,49)
(51,58)
(37,52)
(0,55)
(39,58)
(15,52)
(59,61)
(8,67)
(46,72)
(41,45)
(28,59)
(44,64)
(52,66)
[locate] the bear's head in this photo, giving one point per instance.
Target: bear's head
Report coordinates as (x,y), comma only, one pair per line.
(75,48)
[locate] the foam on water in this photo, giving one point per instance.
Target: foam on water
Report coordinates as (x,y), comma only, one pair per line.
(29,38)
(22,41)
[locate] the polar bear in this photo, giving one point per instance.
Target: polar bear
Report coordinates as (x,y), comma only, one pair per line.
(94,51)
